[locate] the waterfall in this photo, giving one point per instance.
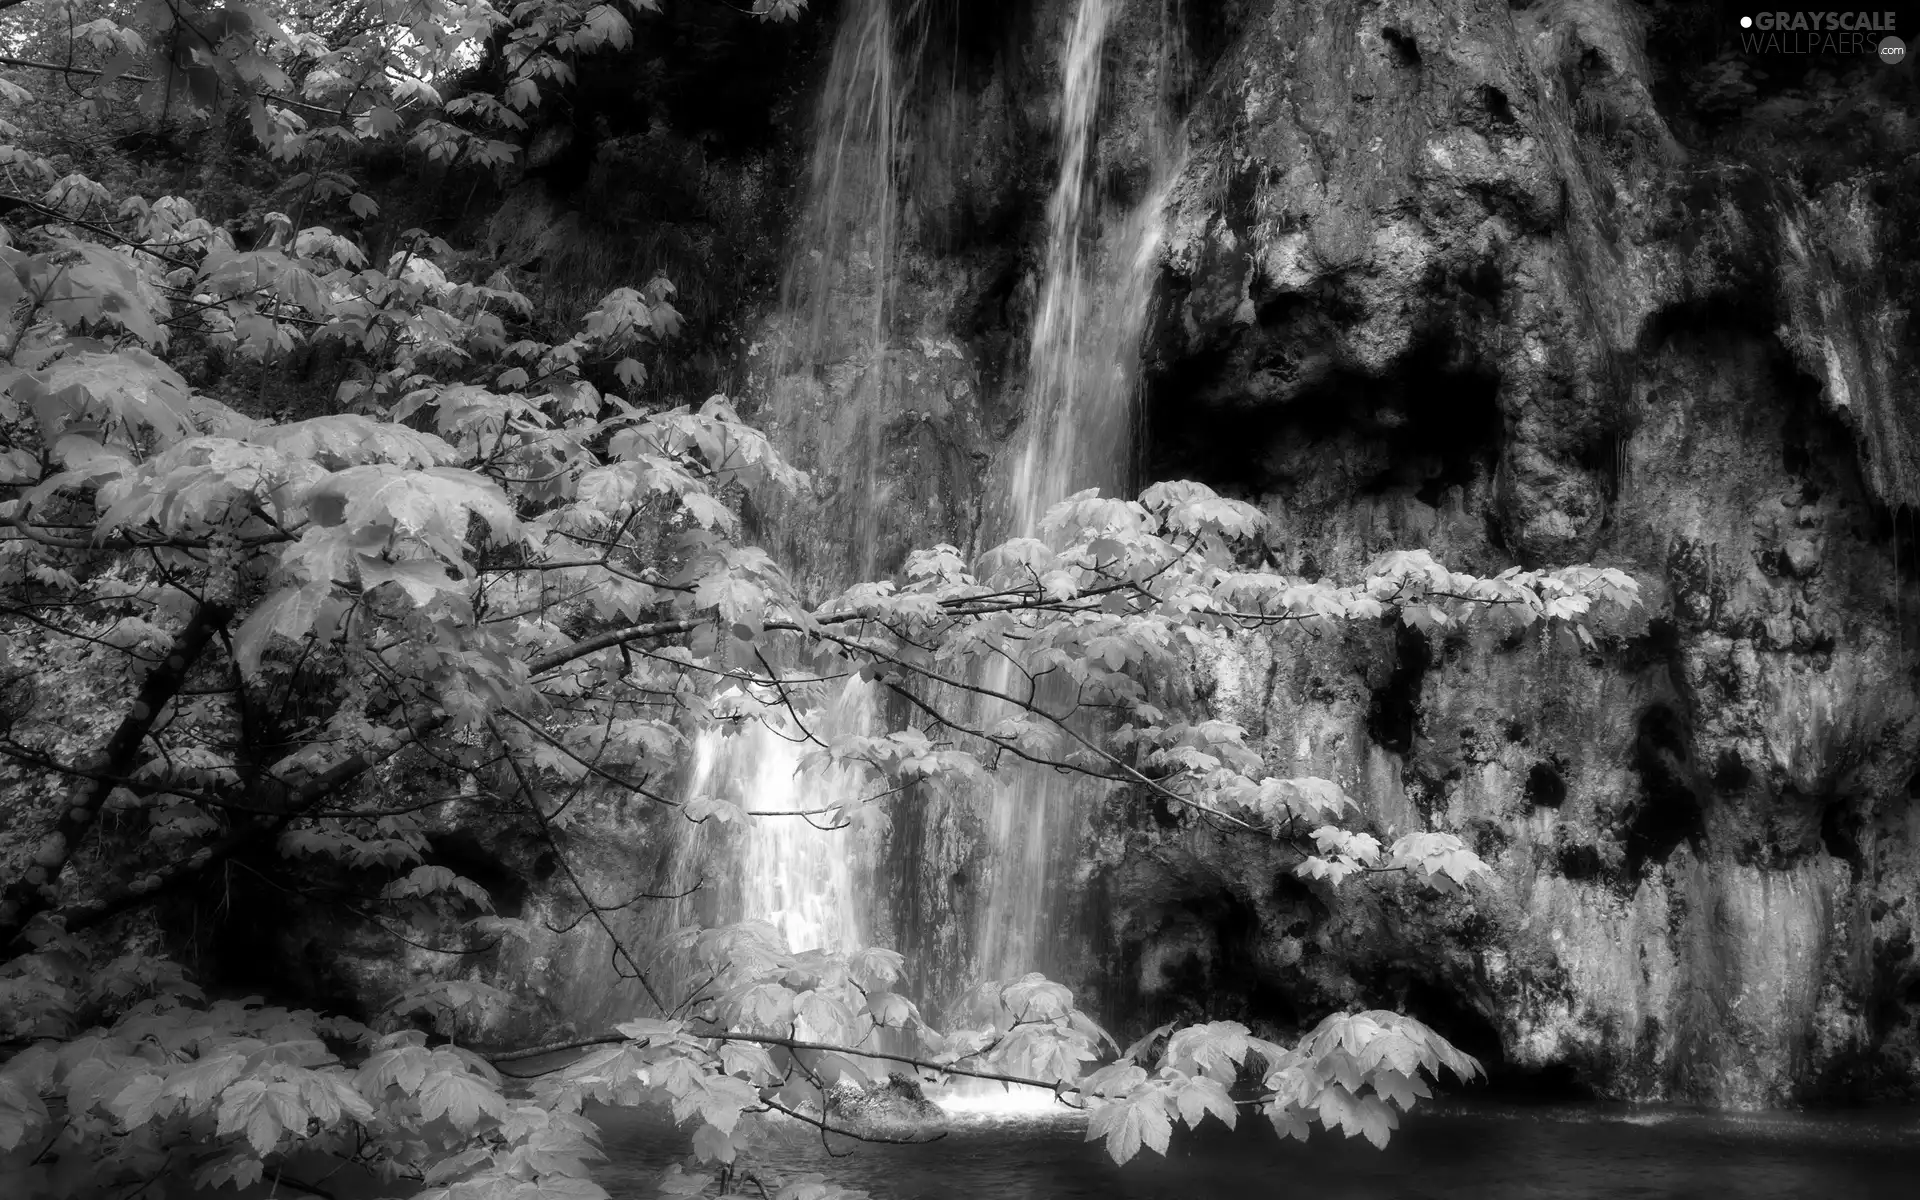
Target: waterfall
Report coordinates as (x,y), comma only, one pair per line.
(824,359)
(800,861)
(796,861)
(1076,372)
(826,388)
(1081,375)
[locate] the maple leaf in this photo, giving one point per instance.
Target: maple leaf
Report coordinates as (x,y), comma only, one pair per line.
(261,1111)
(461,1098)
(140,1101)
(1198,1096)
(1139,1119)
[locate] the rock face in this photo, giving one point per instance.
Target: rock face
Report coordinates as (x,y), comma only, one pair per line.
(1544,284)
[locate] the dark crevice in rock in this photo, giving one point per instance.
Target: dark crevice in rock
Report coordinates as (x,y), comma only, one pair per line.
(1431,424)
(1458,1019)
(1292,892)
(1393,715)
(992,325)
(1745,308)
(1841,824)
(1545,788)
(1497,105)
(1729,773)
(1898,530)
(1605,458)
(1659,647)
(1201,955)
(1668,810)
(1406,51)
(1579,862)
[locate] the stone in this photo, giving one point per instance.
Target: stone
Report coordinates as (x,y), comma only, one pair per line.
(1801,557)
(895,1107)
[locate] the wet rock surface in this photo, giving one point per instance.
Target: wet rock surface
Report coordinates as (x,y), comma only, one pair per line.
(891,1108)
(1516,283)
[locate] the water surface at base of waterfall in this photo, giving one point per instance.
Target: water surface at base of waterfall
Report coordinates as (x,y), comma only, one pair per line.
(1459,1153)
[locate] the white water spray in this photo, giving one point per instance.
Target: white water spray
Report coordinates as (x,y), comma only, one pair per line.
(800,855)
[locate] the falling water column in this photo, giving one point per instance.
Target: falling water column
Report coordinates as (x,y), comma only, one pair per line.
(823,367)
(1081,375)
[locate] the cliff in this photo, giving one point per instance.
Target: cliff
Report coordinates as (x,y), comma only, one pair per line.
(1574,280)
(1542,284)
(1531,284)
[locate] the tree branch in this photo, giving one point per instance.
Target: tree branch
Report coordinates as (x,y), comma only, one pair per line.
(297,802)
(767,1039)
(35,891)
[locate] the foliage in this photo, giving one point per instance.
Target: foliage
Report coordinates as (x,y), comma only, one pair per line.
(489,568)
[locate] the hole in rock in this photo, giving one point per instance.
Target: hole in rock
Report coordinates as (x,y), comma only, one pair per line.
(1579,863)
(1545,787)
(1606,458)
(1482,280)
(1718,321)
(1394,715)
(1406,51)
(1457,1019)
(1497,105)
(1730,774)
(1667,811)
(1840,831)
(1248,417)
(1292,894)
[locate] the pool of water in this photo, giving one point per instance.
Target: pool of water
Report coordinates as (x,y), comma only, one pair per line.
(1481,1153)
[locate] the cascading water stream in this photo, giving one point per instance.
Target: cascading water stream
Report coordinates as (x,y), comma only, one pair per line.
(1081,374)
(796,863)
(825,367)
(799,865)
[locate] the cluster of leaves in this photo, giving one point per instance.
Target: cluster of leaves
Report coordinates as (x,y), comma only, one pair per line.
(131,1074)
(487,571)
(168,1086)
